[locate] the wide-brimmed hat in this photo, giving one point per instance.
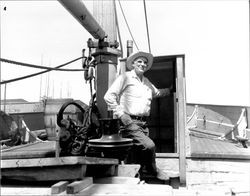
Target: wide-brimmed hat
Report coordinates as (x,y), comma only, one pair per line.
(136,55)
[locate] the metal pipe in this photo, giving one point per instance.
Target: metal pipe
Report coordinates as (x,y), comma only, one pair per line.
(5,102)
(82,15)
(129,47)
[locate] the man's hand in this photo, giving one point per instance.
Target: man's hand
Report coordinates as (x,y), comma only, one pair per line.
(133,127)
(171,89)
(126,119)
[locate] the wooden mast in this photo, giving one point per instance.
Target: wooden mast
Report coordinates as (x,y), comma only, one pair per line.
(103,12)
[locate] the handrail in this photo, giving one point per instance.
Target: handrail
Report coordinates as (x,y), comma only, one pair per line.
(192,115)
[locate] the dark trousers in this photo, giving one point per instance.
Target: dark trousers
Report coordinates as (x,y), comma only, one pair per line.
(144,147)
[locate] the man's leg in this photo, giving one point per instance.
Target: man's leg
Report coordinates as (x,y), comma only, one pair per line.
(145,146)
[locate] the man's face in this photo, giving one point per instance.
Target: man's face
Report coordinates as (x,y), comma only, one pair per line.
(140,65)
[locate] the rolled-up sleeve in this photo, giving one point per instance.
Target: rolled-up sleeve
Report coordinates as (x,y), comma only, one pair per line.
(158,92)
(112,96)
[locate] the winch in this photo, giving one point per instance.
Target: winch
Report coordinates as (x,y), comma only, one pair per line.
(73,136)
(95,136)
(111,144)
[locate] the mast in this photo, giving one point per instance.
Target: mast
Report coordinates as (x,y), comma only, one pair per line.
(103,11)
(101,26)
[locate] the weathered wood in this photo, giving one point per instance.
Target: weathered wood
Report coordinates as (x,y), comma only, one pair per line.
(167,155)
(181,117)
(127,189)
(31,107)
(213,148)
(176,133)
(77,186)
(128,170)
(208,132)
(59,187)
(19,147)
(218,165)
(51,173)
(106,72)
(71,160)
(117,180)
(217,172)
(103,12)
(99,170)
(14,190)
(27,155)
(30,150)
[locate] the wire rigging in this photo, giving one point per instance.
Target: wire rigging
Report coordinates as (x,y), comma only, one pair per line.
(145,11)
(37,66)
(127,25)
(118,28)
(38,73)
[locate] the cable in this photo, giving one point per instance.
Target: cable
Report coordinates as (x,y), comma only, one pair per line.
(127,24)
(118,29)
(37,66)
(38,73)
(145,11)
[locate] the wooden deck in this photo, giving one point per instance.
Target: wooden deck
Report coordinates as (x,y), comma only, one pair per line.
(31,150)
(37,162)
(202,147)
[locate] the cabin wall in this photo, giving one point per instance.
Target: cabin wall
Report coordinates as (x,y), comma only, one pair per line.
(204,173)
(31,112)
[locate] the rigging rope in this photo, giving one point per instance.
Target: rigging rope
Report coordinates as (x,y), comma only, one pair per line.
(127,25)
(37,66)
(145,11)
(38,73)
(118,29)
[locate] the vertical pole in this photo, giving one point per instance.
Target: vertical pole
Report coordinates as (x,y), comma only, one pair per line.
(106,57)
(5,88)
(181,118)
(41,78)
(0,86)
(104,13)
(129,47)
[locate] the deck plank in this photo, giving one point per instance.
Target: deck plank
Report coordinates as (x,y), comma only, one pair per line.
(52,161)
(202,147)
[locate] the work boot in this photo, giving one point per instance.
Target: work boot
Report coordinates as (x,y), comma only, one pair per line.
(150,170)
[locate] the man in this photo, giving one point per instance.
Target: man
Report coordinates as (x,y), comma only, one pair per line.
(129,97)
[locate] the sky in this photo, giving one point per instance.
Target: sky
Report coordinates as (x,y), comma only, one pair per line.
(213,35)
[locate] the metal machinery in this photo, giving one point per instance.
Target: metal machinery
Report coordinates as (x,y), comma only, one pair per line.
(91,135)
(111,144)
(95,136)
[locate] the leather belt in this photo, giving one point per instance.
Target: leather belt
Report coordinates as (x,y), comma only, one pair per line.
(140,118)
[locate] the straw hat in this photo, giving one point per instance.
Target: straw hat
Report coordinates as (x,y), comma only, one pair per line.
(136,55)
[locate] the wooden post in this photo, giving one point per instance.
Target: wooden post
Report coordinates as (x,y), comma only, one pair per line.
(181,118)
(106,57)
(103,12)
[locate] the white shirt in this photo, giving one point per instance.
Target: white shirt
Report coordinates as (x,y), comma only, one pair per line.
(128,94)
